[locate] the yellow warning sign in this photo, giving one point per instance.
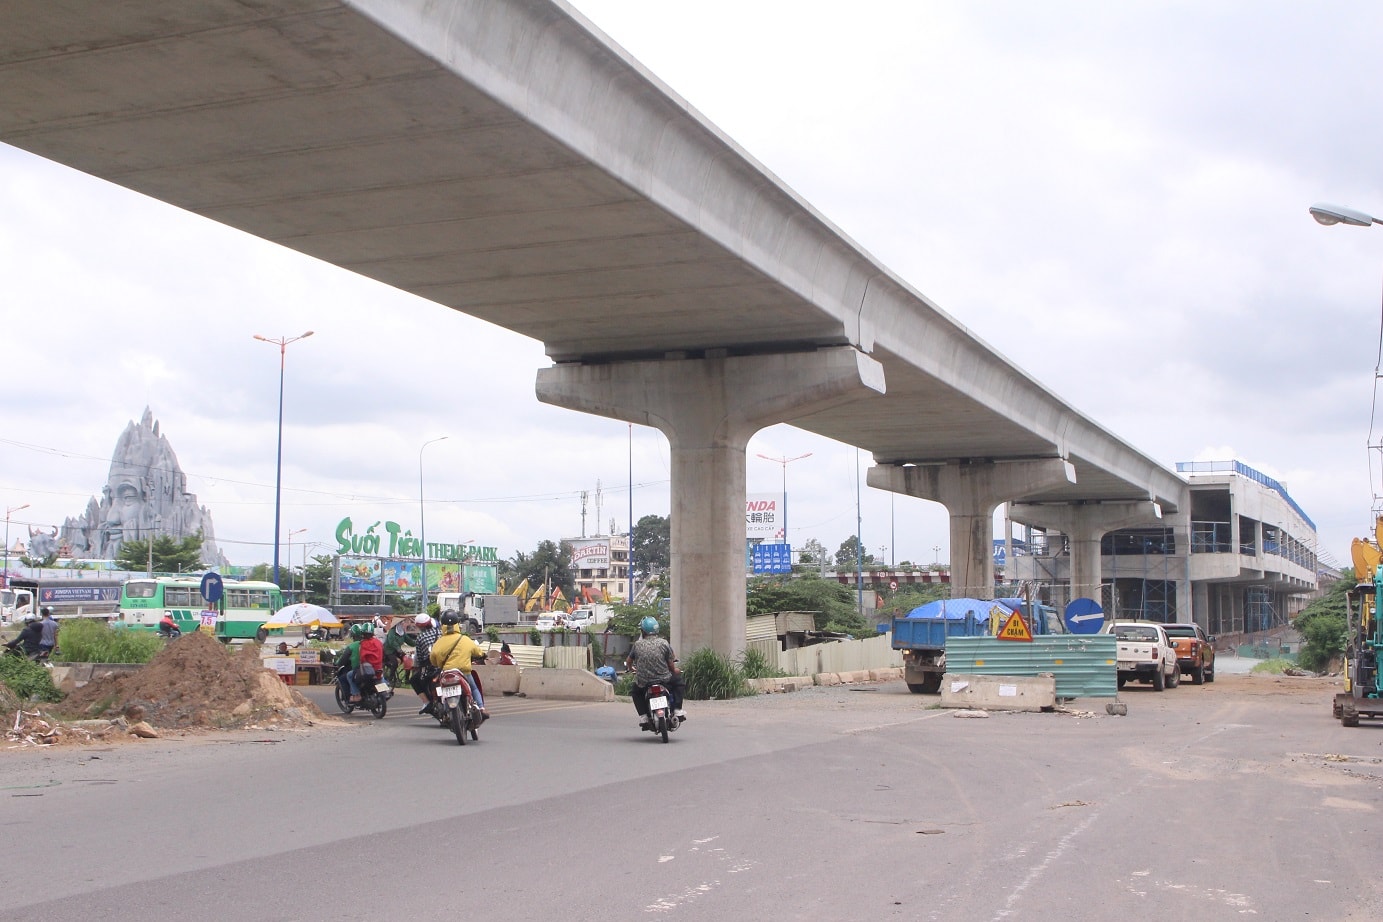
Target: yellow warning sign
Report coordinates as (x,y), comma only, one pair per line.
(1015,628)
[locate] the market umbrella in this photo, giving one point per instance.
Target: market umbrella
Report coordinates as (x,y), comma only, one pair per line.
(303,614)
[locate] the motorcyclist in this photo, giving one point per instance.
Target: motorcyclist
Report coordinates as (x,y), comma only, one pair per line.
(394,641)
(167,627)
(455,650)
(652,660)
(28,638)
(421,680)
(366,659)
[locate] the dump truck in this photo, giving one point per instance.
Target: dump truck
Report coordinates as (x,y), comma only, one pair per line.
(921,634)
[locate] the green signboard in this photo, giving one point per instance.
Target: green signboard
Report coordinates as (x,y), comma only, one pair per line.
(389,539)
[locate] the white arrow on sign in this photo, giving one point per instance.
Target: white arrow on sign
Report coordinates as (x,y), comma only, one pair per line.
(1093,616)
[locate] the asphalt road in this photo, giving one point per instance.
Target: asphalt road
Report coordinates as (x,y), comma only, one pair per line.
(1205,802)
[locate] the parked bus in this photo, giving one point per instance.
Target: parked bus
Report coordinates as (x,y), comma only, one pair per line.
(243,608)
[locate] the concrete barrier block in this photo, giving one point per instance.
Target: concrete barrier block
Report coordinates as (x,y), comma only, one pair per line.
(565,684)
(498,680)
(998,692)
(826,678)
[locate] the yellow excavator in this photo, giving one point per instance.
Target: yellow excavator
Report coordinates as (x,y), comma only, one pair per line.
(1363,694)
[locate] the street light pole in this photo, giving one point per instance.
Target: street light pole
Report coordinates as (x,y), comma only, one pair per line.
(282,342)
(9,510)
(422,516)
(785,462)
(1336,214)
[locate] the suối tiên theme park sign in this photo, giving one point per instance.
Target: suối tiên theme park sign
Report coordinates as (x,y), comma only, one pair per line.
(389,539)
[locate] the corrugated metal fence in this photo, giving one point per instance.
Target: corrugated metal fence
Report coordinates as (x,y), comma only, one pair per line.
(1084,664)
(841,656)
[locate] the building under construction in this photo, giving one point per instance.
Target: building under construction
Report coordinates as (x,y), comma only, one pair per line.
(1240,560)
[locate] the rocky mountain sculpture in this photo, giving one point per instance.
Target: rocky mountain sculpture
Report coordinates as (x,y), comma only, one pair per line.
(145,496)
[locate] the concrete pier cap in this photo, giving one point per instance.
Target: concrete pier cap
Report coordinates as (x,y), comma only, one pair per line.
(971,489)
(1085,524)
(709,405)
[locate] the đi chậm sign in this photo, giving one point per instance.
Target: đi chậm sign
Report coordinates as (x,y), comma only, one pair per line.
(389,539)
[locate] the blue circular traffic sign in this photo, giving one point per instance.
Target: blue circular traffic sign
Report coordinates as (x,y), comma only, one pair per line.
(212,586)
(1083,616)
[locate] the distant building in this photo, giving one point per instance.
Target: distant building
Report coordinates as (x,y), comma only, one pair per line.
(600,565)
(1240,559)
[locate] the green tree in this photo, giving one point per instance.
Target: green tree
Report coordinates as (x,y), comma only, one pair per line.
(626,618)
(832,604)
(317,579)
(906,598)
(39,562)
(812,551)
(549,564)
(169,556)
(1323,625)
(651,550)
(848,554)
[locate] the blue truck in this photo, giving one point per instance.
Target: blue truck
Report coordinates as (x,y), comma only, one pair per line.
(921,634)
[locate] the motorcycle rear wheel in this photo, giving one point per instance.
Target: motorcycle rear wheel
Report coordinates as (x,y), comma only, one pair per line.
(662,726)
(379,706)
(458,724)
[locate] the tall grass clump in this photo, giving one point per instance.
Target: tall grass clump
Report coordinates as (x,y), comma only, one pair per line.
(755,665)
(711,676)
(83,641)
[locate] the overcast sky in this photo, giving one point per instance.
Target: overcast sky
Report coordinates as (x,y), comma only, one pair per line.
(1112,195)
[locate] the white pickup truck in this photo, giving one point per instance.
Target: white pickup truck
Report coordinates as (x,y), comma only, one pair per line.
(1145,654)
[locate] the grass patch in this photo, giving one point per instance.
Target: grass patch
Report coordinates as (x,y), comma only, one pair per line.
(94,642)
(1272,666)
(27,679)
(755,665)
(712,676)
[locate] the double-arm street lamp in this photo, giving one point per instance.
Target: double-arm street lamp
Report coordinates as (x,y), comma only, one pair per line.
(785,462)
(9,511)
(282,342)
(422,516)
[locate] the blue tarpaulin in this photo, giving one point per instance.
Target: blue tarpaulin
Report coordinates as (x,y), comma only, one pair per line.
(960,608)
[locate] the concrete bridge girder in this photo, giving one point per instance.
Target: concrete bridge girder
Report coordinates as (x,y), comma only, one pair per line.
(709,408)
(971,491)
(1085,524)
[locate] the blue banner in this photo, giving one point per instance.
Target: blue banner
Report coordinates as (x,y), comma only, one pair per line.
(772,558)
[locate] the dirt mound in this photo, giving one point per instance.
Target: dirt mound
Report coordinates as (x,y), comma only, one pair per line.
(195,681)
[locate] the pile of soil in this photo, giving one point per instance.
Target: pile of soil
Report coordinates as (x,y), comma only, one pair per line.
(195,681)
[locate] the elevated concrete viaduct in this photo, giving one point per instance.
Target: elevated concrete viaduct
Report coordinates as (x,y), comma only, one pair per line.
(505,159)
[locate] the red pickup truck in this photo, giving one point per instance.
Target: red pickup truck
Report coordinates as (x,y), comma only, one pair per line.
(1195,651)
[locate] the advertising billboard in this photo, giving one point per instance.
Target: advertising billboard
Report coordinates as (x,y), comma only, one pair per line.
(763,516)
(590,554)
(360,574)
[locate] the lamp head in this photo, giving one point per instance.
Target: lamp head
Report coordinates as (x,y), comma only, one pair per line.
(1338,214)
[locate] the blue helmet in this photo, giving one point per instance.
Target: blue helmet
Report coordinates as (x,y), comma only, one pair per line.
(649,625)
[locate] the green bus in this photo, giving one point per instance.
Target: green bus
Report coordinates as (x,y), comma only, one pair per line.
(244,606)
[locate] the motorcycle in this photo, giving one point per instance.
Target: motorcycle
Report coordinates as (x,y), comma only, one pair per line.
(373,697)
(661,719)
(456,707)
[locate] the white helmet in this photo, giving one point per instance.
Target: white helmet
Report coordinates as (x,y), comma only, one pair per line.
(422,620)
(30,617)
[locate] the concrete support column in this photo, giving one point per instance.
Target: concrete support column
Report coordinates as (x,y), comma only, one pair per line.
(709,408)
(971,491)
(1084,524)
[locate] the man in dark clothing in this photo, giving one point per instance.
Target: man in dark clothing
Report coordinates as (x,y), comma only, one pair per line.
(29,638)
